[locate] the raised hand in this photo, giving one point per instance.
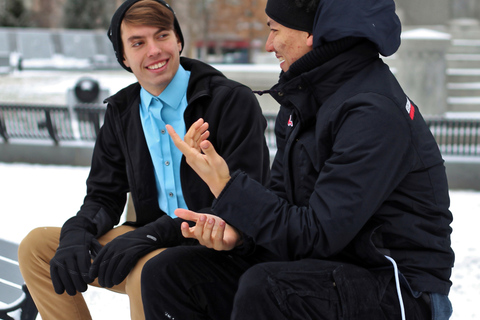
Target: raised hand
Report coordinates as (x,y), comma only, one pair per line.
(211,231)
(202,157)
(197,133)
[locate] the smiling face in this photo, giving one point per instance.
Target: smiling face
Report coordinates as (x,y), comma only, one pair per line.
(153,55)
(288,44)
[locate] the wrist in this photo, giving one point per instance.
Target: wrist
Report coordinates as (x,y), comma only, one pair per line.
(219,186)
(239,238)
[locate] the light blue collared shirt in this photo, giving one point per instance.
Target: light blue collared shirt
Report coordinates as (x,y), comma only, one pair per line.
(155,113)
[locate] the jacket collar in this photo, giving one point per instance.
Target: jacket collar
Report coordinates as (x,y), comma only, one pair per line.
(200,76)
(318,56)
(198,85)
(313,80)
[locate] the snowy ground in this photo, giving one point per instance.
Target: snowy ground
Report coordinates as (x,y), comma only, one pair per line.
(38,195)
(34,195)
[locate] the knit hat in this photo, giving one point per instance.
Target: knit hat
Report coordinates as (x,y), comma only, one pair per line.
(288,14)
(114,33)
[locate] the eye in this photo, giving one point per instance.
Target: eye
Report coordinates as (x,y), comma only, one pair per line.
(162,35)
(137,44)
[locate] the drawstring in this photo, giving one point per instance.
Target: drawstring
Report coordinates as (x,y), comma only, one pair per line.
(262,92)
(397,283)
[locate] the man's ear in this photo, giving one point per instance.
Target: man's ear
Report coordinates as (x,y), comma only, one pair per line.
(179,43)
(125,61)
(310,40)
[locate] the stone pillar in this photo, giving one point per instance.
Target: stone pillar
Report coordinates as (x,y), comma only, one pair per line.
(422,69)
(423,12)
(463,17)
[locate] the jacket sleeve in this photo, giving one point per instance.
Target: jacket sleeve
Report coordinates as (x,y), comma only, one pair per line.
(240,134)
(277,181)
(370,155)
(107,183)
(237,131)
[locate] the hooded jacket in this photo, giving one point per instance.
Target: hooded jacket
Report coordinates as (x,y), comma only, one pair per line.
(357,175)
(122,163)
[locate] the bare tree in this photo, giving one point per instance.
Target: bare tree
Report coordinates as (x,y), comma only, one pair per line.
(13,14)
(86,14)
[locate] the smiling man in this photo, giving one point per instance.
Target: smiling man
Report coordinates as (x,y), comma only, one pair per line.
(358,208)
(133,153)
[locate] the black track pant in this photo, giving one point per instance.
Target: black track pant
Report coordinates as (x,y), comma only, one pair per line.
(187,283)
(318,289)
(192,282)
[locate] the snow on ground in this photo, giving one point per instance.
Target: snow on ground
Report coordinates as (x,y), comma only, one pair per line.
(39,195)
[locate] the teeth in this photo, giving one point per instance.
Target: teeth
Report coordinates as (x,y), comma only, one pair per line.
(157,66)
(281,59)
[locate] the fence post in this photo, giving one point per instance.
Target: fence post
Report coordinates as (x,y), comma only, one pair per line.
(52,130)
(422,69)
(3,130)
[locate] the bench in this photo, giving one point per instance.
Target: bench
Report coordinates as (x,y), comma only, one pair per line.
(14,296)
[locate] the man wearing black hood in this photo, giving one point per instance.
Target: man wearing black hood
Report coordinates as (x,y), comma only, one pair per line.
(358,210)
(133,153)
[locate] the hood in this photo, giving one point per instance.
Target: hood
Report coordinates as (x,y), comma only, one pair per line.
(374,20)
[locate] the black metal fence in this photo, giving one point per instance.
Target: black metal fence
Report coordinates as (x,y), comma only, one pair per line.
(81,122)
(459,137)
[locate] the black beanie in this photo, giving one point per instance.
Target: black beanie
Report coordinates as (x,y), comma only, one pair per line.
(114,33)
(290,15)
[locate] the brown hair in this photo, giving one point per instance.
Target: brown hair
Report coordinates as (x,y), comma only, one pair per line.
(150,13)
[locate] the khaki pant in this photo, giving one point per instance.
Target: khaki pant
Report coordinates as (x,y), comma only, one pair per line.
(34,255)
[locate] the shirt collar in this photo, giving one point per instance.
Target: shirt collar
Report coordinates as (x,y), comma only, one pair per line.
(173,93)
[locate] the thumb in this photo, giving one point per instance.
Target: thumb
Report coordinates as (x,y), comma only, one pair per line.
(95,248)
(214,160)
(208,149)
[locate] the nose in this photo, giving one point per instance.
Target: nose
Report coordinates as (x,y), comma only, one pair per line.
(153,49)
(269,44)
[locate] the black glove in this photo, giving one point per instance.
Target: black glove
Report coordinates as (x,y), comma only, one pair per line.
(70,266)
(118,257)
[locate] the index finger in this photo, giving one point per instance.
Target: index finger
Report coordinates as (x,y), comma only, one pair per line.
(186,214)
(179,143)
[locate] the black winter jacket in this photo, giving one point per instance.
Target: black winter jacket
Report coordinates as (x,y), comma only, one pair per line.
(121,160)
(356,176)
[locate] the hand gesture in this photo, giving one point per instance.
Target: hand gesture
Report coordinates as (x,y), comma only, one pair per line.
(211,231)
(197,133)
(202,157)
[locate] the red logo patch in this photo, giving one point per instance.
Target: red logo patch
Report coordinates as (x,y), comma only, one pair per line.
(410,107)
(290,122)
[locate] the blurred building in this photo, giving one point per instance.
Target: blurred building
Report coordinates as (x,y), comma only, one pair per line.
(234,30)
(215,30)
(222,31)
